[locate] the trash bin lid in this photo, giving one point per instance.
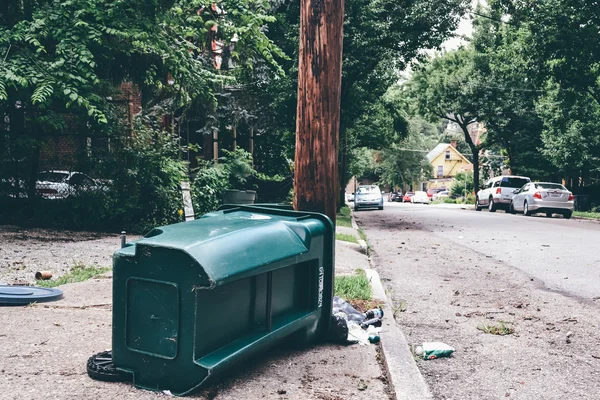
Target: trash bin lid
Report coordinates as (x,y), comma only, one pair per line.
(23,295)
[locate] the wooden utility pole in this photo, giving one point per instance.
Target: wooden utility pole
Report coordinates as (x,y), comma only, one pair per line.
(318,112)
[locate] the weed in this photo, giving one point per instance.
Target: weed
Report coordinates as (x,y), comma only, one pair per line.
(362,235)
(345,237)
(78,273)
(353,287)
(343,220)
(399,307)
(500,329)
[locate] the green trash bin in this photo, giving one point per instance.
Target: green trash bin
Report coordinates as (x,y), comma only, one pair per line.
(192,299)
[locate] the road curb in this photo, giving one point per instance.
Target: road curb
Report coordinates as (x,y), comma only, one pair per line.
(404,378)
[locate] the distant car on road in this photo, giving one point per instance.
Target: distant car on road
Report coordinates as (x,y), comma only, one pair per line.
(441,195)
(420,197)
(407,197)
(368,196)
(63,184)
(498,192)
(395,196)
(432,192)
(543,197)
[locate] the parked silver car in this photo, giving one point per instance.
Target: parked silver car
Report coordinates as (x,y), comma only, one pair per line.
(498,191)
(543,197)
(63,184)
(368,196)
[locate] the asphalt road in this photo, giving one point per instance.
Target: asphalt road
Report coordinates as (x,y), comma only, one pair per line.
(561,253)
(517,297)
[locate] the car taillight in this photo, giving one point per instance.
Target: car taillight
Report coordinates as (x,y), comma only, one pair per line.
(498,190)
(537,195)
(571,197)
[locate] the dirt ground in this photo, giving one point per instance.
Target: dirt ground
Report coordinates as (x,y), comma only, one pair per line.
(23,252)
(448,293)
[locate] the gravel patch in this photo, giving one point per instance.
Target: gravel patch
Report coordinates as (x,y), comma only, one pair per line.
(24,251)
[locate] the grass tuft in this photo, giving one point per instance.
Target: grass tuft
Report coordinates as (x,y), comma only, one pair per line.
(356,287)
(362,235)
(343,218)
(587,214)
(79,273)
(346,237)
(500,329)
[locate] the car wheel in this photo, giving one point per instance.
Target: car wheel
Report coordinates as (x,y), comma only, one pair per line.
(568,214)
(381,207)
(491,205)
(477,205)
(526,209)
(548,215)
(356,209)
(511,208)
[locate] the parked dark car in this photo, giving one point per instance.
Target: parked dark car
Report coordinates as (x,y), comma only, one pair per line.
(395,196)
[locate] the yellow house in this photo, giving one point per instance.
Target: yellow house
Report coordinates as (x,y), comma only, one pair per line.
(446,162)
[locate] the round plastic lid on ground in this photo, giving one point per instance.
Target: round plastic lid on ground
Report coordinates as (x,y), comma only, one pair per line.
(23,295)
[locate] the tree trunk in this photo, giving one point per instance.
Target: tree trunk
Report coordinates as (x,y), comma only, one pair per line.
(318,112)
(475,170)
(474,152)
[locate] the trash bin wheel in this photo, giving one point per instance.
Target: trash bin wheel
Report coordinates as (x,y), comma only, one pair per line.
(101,368)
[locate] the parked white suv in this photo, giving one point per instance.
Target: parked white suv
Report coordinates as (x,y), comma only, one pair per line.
(498,191)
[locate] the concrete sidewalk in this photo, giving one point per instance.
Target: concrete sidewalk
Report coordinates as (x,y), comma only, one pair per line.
(45,348)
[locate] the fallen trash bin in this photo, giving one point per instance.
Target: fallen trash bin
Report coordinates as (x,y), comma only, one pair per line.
(192,300)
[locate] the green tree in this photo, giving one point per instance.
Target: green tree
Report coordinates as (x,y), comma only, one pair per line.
(405,162)
(448,86)
(571,138)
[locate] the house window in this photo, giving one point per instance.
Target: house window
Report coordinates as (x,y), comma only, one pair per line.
(440,171)
(447,154)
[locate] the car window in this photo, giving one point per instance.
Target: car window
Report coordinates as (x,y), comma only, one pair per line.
(496,183)
(55,177)
(524,188)
(368,190)
(555,186)
(81,180)
(513,182)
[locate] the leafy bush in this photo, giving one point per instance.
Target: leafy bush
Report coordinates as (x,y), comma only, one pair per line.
(208,187)
(458,186)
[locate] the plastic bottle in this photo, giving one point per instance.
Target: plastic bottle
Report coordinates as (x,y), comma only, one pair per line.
(372,321)
(374,313)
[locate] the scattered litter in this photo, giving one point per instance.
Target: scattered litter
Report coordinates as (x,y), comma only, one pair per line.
(373,321)
(433,350)
(362,385)
(167,392)
(374,339)
(281,391)
(43,275)
(461,237)
(350,326)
